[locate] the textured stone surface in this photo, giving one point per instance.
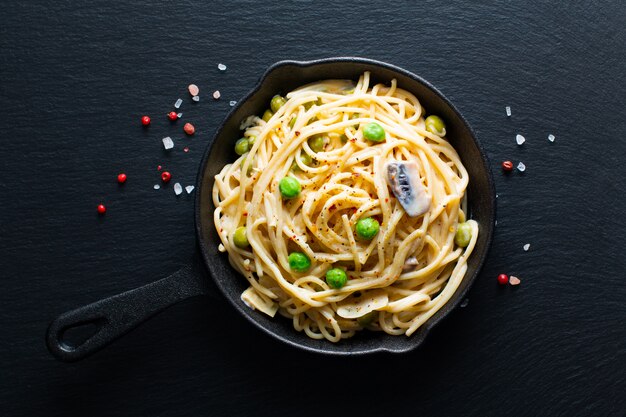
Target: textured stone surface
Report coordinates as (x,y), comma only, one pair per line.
(74,81)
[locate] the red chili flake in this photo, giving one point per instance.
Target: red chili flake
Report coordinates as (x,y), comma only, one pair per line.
(507,166)
(386,200)
(503,279)
(186,149)
(102,209)
(145,120)
(159,168)
(245,214)
(297,133)
(121,178)
(331,207)
(166,176)
(172,116)
(189,129)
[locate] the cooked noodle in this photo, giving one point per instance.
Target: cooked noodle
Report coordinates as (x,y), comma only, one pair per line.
(397,280)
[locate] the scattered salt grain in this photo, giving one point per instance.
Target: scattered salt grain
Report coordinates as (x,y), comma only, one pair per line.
(196,98)
(178,103)
(551,137)
(193,89)
(514,280)
(465,303)
(497,195)
(521,167)
(178,189)
(157,186)
(189,189)
(520,139)
(216,94)
(526,247)
(508,111)
(221,248)
(179,115)
(221,67)
(168,143)
(186,149)
(232,103)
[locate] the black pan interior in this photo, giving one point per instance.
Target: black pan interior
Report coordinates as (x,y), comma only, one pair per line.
(282,78)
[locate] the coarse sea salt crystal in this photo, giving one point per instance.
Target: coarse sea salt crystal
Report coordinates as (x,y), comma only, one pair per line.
(195,98)
(465,303)
(514,280)
(193,89)
(221,67)
(216,94)
(168,143)
(157,186)
(521,167)
(178,189)
(232,103)
(526,247)
(551,137)
(179,115)
(508,111)
(178,103)
(189,189)
(520,139)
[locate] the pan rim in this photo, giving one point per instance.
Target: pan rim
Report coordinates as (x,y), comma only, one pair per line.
(416,339)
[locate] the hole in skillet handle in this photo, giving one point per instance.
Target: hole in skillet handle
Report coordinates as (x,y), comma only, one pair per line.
(72,337)
(79,333)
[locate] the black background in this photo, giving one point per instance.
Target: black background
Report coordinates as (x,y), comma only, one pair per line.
(75,77)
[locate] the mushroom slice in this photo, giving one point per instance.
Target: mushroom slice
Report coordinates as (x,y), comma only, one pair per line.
(410,264)
(253,300)
(355,307)
(404,179)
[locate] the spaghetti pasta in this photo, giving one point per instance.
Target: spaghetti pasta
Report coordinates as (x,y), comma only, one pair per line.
(390,274)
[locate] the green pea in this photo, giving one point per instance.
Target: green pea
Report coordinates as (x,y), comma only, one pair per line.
(251,140)
(242,146)
(336,277)
(435,125)
(316,143)
(306,160)
(374,132)
(355,116)
(367,228)
(240,239)
(243,161)
(298,261)
(277,102)
(367,319)
(463,235)
(292,122)
(289,187)
(267,115)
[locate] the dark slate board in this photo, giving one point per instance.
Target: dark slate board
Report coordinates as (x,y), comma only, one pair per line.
(74,80)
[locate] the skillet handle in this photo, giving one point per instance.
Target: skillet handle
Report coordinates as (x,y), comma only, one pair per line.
(116,315)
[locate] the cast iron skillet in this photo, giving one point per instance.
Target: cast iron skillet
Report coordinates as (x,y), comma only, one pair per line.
(114,316)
